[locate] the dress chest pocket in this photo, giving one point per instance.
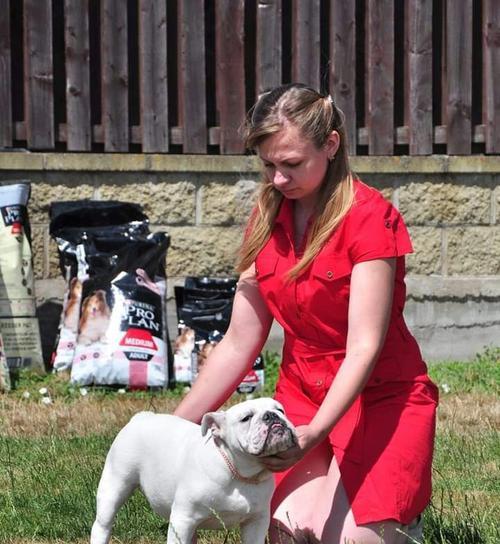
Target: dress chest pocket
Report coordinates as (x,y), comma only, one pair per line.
(327,290)
(331,268)
(265,267)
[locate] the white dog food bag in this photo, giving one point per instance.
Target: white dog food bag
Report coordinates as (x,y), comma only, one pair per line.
(4,370)
(18,322)
(122,336)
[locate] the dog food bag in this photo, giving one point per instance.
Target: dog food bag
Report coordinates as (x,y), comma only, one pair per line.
(122,333)
(73,224)
(4,370)
(18,322)
(254,380)
(62,357)
(204,305)
(184,354)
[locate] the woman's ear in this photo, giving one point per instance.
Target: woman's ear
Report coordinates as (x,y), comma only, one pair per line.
(332,144)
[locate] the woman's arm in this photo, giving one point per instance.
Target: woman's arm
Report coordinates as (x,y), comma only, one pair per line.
(370,302)
(233,357)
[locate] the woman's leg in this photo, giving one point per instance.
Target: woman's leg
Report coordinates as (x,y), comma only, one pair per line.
(310,503)
(293,504)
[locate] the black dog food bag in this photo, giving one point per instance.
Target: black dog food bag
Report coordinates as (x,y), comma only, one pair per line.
(75,225)
(122,336)
(204,305)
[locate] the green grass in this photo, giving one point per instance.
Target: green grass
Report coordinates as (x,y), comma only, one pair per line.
(465,507)
(482,374)
(48,482)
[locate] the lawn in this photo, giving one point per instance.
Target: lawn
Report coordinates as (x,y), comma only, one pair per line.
(52,452)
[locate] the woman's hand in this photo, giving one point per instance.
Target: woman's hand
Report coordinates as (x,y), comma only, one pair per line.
(307,439)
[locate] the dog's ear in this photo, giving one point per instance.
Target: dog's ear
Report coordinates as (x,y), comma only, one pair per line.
(215,422)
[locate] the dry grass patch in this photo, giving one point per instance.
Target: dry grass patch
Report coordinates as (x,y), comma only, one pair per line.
(84,416)
(468,410)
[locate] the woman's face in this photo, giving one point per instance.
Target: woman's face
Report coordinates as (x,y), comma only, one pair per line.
(294,165)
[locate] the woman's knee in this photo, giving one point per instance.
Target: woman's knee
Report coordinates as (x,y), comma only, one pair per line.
(298,490)
(384,532)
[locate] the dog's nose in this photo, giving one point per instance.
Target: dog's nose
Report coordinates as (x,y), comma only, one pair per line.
(270,417)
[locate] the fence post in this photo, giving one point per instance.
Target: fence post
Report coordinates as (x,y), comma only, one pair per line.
(491,74)
(343,64)
(459,76)
(38,74)
(192,79)
(153,75)
(77,59)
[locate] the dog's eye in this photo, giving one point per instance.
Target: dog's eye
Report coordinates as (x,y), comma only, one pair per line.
(246,418)
(280,410)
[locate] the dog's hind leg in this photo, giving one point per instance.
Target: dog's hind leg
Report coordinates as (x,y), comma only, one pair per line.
(112,492)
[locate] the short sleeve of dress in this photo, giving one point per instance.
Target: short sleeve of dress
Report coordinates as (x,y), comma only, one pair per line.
(377,231)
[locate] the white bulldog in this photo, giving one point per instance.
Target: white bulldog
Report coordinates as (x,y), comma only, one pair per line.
(193,480)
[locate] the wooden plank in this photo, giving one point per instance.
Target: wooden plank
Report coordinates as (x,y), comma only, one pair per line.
(153,75)
(343,64)
(444,71)
(38,74)
(491,75)
(6,122)
(269,49)
(418,96)
(192,76)
(230,73)
(114,66)
(306,42)
(380,77)
(76,34)
(459,76)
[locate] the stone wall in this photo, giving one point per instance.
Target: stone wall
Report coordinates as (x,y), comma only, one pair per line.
(451,206)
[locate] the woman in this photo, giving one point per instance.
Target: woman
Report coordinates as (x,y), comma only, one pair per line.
(324,255)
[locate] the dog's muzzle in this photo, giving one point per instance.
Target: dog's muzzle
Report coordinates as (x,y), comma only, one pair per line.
(279,435)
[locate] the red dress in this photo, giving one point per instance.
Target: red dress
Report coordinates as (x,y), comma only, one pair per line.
(383,444)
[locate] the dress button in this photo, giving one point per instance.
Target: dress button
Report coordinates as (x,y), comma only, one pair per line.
(388,224)
(329,274)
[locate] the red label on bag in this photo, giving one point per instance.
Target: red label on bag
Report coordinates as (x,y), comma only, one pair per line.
(138,338)
(17,228)
(251,377)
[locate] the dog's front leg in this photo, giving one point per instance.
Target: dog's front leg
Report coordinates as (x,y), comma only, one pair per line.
(181,528)
(254,530)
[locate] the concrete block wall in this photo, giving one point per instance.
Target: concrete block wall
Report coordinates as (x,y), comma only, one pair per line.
(451,206)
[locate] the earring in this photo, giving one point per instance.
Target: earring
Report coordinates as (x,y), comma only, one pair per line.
(331,158)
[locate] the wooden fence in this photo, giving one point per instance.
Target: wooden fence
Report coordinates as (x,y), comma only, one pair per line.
(177,76)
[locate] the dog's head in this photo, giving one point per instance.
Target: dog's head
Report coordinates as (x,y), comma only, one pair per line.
(185,341)
(95,305)
(257,427)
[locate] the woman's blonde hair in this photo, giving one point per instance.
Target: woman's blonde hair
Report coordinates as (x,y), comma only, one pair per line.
(316,116)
